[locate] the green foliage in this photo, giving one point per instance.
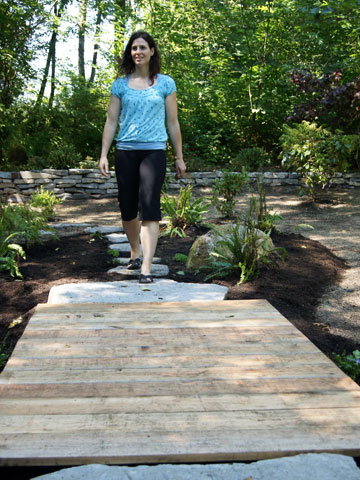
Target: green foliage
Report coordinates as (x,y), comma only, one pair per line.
(252,159)
(10,255)
(261,217)
(180,257)
(316,153)
(89,162)
(46,201)
(63,155)
(243,253)
(225,190)
(23,224)
(349,363)
(182,212)
(114,253)
(4,355)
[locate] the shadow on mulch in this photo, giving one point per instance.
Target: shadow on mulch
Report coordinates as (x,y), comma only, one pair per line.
(295,289)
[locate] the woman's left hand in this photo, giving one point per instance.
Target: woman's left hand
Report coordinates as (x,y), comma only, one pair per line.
(180,167)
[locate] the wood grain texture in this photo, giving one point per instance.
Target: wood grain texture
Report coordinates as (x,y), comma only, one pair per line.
(170,382)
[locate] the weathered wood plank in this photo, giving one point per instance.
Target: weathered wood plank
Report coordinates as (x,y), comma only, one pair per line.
(71,349)
(193,361)
(180,403)
(174,447)
(164,423)
(240,372)
(173,388)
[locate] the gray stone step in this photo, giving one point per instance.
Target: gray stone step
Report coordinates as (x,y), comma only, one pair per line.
(125,261)
(322,466)
(157,270)
(104,229)
(131,291)
(117,238)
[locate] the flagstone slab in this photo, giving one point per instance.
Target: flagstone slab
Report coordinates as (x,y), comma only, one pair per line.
(105,229)
(125,261)
(117,238)
(125,291)
(157,270)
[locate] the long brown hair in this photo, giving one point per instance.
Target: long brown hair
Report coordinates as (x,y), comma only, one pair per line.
(127,64)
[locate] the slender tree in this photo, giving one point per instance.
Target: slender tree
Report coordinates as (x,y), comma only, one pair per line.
(59,8)
(81,37)
(99,16)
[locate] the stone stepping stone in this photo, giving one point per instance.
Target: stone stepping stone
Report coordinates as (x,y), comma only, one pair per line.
(117,238)
(125,261)
(157,270)
(120,247)
(125,291)
(104,229)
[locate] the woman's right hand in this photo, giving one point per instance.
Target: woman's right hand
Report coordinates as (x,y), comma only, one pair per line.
(104,167)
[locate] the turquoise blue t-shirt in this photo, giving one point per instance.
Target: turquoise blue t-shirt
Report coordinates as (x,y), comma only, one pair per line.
(142,118)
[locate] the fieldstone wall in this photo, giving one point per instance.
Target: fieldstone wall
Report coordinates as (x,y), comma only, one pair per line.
(84,183)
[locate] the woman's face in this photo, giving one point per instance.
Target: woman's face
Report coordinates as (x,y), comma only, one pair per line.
(141,52)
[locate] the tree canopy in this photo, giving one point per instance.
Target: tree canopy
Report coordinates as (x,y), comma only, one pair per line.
(234,63)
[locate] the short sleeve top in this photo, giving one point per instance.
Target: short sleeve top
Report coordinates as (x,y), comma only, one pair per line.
(142,118)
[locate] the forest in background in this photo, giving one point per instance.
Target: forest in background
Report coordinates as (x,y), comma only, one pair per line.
(258,81)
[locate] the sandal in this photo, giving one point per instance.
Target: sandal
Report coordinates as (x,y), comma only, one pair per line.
(145,278)
(134,264)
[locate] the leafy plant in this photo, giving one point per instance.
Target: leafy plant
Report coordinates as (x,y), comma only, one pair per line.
(243,252)
(262,218)
(328,100)
(349,363)
(180,257)
(252,158)
(315,153)
(182,212)
(63,154)
(4,355)
(225,190)
(46,200)
(10,254)
(113,253)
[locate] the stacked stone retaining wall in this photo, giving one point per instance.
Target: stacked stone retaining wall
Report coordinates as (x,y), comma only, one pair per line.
(84,183)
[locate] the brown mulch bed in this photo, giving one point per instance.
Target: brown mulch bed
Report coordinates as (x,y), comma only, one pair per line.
(295,289)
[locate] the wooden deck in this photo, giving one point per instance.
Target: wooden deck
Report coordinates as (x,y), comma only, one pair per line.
(170,382)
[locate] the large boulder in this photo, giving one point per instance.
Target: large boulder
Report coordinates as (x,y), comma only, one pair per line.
(202,247)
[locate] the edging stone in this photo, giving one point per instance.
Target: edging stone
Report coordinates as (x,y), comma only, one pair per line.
(88,183)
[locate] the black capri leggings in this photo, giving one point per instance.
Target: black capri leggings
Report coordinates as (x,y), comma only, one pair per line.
(140,175)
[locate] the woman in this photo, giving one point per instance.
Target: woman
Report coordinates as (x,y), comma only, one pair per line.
(141,98)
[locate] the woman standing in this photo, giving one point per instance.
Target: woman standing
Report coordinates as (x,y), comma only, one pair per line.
(142,98)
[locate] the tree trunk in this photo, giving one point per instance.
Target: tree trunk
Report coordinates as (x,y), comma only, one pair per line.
(96,45)
(81,36)
(51,58)
(53,79)
(119,28)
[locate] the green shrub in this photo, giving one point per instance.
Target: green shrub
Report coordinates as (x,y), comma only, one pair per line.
(350,364)
(252,158)
(46,200)
(182,212)
(180,257)
(316,153)
(225,190)
(10,255)
(245,251)
(89,162)
(63,155)
(261,217)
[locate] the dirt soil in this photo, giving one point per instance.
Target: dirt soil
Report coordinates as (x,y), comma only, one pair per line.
(296,289)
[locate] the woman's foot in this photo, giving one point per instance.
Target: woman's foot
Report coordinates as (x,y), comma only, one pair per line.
(145,278)
(134,264)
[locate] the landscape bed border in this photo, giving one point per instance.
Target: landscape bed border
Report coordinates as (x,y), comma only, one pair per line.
(87,183)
